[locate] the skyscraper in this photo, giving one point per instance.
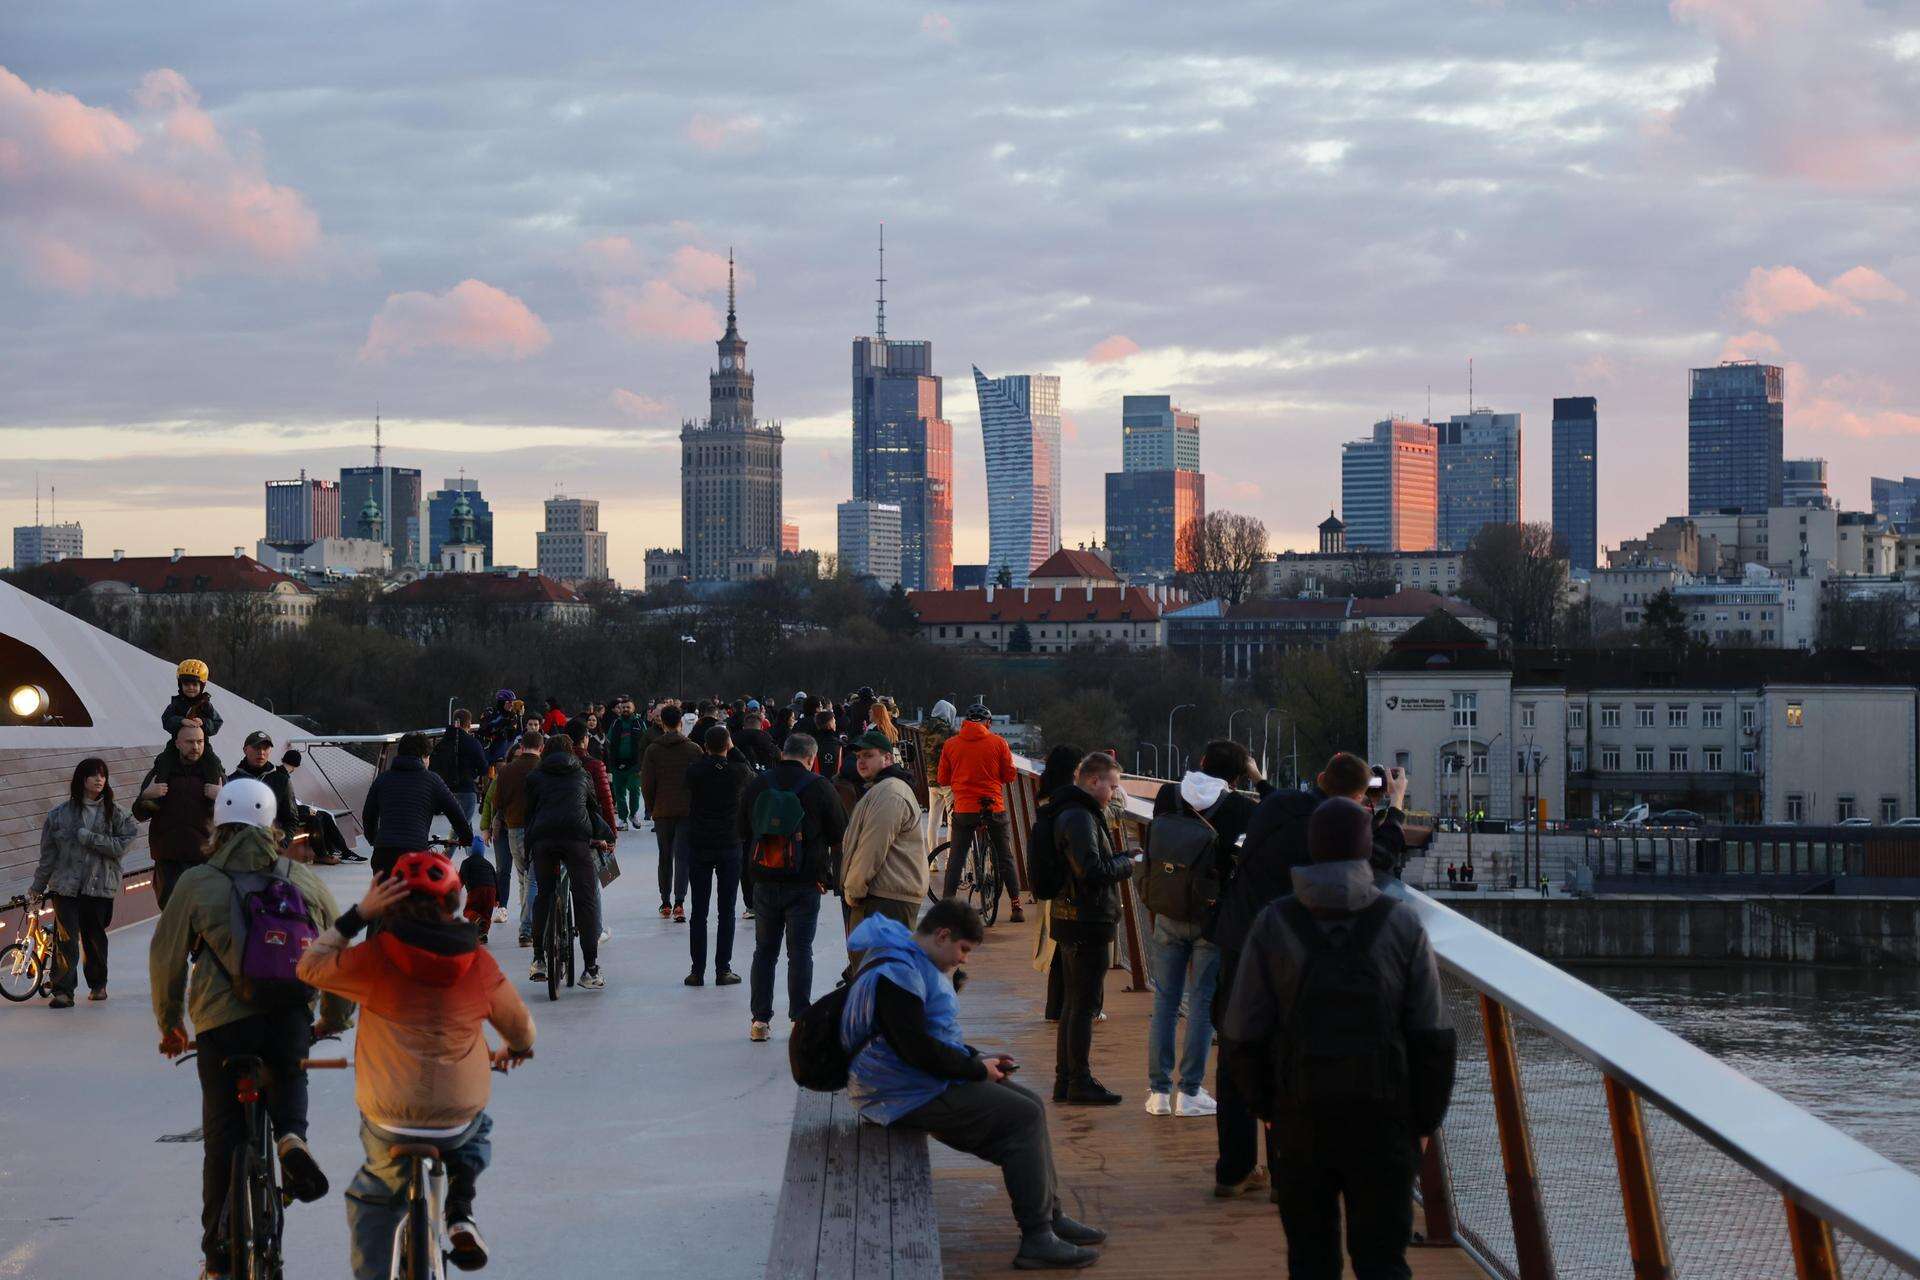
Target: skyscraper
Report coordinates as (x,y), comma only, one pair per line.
(1897,500)
(1389,488)
(1479,468)
(573,547)
(903,446)
(1020,425)
(1576,481)
(730,468)
(1159,490)
(870,540)
(302,511)
(1736,430)
(440,504)
(396,492)
(1803,483)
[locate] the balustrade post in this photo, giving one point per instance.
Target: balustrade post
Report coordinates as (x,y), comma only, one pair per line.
(1436,1195)
(1532,1249)
(1639,1194)
(1813,1255)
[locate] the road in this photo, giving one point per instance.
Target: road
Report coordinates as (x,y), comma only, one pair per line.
(647,1138)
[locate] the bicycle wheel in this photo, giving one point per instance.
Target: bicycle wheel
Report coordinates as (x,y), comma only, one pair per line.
(557,934)
(572,933)
(240,1214)
(19,972)
(987,876)
(937,869)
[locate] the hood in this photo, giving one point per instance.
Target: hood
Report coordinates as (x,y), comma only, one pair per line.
(672,736)
(895,771)
(254,849)
(973,731)
(944,710)
(1202,791)
(559,765)
(437,953)
(1335,886)
(883,935)
(407,764)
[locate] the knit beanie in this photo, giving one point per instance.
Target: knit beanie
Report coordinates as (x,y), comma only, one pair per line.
(1340,831)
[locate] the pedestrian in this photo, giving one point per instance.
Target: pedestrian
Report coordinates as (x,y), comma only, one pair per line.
(704,718)
(915,1070)
(780,726)
(256,762)
(791,870)
(977,764)
(1453,874)
(1085,911)
(883,721)
(827,734)
(939,727)
(81,845)
(563,824)
(1466,871)
(753,739)
(1336,1036)
(663,784)
(500,728)
(1056,773)
(321,827)
(507,819)
(176,802)
(553,719)
(403,802)
(626,743)
(715,783)
(883,863)
(461,761)
(1543,886)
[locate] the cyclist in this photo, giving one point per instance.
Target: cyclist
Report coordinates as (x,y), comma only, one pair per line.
(977,764)
(563,824)
(199,922)
(426,987)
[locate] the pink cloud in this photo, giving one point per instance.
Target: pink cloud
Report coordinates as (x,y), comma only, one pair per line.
(1773,292)
(141,201)
(659,310)
(1108,350)
(1519,328)
(937,25)
(720,133)
(698,270)
(612,256)
(1864,284)
(1069,428)
(1751,345)
(641,302)
(638,407)
(1596,369)
(472,318)
(1244,489)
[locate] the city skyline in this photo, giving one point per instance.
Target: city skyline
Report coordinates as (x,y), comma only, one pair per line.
(1383,201)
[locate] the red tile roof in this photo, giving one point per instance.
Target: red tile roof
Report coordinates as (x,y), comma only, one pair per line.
(1067,563)
(1034,604)
(163,575)
(495,588)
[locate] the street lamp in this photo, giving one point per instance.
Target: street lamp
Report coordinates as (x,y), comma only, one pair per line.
(1266,761)
(1156,756)
(1241,711)
(1173,759)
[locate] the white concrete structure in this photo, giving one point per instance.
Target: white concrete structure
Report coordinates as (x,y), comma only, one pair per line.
(37,544)
(326,555)
(870,540)
(572,548)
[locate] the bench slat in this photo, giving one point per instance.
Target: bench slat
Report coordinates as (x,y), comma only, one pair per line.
(838,1206)
(873,1207)
(795,1253)
(916,1231)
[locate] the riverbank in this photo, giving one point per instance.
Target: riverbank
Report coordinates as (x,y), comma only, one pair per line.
(1712,930)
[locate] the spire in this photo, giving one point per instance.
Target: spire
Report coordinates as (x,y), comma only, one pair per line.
(376,435)
(880,321)
(731,328)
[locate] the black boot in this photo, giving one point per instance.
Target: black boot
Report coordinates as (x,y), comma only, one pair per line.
(1077,1232)
(1089,1092)
(1042,1250)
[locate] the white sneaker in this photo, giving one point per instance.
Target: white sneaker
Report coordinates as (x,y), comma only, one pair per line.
(1101,1016)
(499,915)
(592,980)
(538,973)
(606,936)
(759,1032)
(1197,1103)
(620,824)
(1159,1104)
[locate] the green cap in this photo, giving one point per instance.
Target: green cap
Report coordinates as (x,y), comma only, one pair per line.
(873,740)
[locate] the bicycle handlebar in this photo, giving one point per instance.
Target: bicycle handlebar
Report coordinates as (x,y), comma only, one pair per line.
(324,1064)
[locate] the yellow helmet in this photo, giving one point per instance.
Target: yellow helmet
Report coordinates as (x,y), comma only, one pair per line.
(193,669)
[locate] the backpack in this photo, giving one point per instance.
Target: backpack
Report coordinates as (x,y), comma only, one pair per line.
(1046,868)
(448,761)
(1180,881)
(1342,1045)
(272,930)
(776,818)
(814,1053)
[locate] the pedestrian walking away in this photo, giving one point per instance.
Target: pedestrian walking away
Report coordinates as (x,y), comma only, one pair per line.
(789,819)
(663,784)
(715,783)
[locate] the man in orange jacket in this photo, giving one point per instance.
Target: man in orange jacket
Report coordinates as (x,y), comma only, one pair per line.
(977,764)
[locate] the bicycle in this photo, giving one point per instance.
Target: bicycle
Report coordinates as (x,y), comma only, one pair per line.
(29,965)
(979,879)
(560,932)
(255,1212)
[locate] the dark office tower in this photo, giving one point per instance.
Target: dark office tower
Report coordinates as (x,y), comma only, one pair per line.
(903,447)
(1736,429)
(396,492)
(1479,463)
(1576,481)
(730,468)
(1159,491)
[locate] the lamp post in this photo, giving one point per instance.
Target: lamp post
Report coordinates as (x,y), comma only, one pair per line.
(1173,760)
(1238,712)
(1156,756)
(1266,762)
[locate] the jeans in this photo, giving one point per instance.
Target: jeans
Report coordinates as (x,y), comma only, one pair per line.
(1367,1162)
(584,889)
(81,921)
(999,832)
(705,866)
(469,802)
(1237,1127)
(279,1039)
(790,911)
(522,872)
(1183,962)
(1084,973)
(377,1196)
(1003,1124)
(626,794)
(667,832)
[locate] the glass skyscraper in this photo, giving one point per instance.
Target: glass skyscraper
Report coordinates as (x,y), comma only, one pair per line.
(1898,501)
(1576,481)
(1736,437)
(903,453)
(395,491)
(1159,490)
(1020,425)
(1479,461)
(1389,488)
(1158,435)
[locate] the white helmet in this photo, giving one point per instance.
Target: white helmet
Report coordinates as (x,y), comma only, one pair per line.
(247,801)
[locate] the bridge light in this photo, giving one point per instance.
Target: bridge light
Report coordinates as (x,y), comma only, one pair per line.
(27,702)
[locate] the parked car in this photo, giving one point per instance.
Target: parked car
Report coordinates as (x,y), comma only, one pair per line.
(1907,822)
(1855,822)
(1636,816)
(1677,818)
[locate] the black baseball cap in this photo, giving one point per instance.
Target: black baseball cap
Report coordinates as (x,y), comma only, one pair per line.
(259,738)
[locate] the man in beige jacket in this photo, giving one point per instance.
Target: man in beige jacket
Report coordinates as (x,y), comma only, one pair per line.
(883,867)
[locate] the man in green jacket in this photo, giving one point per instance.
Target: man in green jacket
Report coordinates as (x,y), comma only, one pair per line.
(626,744)
(198,927)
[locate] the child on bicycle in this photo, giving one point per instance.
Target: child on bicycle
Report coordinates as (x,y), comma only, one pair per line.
(424,987)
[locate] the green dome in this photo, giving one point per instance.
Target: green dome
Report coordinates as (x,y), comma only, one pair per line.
(370,510)
(462,509)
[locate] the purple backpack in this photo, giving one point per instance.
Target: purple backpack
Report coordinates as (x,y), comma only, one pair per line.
(272,930)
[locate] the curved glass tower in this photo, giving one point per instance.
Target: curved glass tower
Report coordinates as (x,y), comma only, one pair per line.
(1020,425)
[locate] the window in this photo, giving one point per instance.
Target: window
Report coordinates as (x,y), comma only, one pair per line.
(1577,759)
(1794,715)
(1746,719)
(1796,808)
(1643,759)
(1576,717)
(1402,759)
(1519,762)
(1643,717)
(1710,716)
(1712,760)
(1843,808)
(1676,717)
(1677,760)
(1609,717)
(1609,759)
(1526,715)
(1749,761)
(1480,761)
(1466,710)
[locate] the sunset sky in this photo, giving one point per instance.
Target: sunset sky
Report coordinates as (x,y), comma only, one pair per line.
(229,230)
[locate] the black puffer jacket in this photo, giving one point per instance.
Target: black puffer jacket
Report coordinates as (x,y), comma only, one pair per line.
(561,805)
(1276,843)
(714,784)
(1088,906)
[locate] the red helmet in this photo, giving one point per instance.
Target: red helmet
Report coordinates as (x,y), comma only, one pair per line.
(429,871)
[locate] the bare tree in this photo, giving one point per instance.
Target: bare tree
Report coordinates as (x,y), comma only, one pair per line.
(1221,554)
(1518,574)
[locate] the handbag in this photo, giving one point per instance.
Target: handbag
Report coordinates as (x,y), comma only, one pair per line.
(606,866)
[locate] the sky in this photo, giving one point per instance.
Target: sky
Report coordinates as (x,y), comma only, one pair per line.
(229,232)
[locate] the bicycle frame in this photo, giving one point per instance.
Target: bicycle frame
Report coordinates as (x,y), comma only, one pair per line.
(426,1198)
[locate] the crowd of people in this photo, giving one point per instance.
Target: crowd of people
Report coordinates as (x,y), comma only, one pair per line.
(1273,930)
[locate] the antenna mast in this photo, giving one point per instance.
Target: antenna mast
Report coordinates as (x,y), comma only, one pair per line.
(36,498)
(880,321)
(376,436)
(1469,384)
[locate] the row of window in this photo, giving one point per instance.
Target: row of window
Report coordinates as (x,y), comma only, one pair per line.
(1844,808)
(1679,759)
(1466,715)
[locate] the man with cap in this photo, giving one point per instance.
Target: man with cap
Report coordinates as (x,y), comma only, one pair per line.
(753,739)
(1335,1035)
(883,864)
(257,763)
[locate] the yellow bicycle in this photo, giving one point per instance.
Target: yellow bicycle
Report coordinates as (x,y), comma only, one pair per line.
(28,965)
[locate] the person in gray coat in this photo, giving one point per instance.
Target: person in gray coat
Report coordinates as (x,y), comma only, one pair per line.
(81,846)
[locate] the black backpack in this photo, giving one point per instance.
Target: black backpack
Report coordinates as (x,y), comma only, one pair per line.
(814,1052)
(449,762)
(1180,880)
(1342,1043)
(1046,868)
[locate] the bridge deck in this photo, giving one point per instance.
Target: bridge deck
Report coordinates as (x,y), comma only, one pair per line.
(1147,1181)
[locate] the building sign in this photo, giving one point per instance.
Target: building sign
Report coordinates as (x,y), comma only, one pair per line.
(1397,703)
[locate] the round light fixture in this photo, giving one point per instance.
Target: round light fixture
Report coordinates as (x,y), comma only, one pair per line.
(27,702)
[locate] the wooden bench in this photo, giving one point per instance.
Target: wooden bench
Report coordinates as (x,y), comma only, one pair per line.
(856,1202)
